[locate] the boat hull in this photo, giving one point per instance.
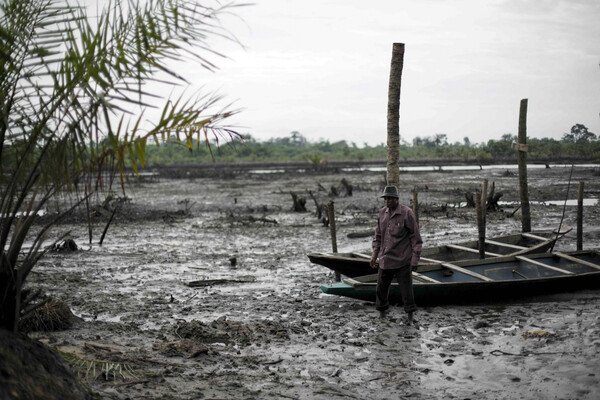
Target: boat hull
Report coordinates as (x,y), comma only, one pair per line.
(528,280)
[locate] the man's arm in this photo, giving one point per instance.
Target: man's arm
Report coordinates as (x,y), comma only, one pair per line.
(415,239)
(376,245)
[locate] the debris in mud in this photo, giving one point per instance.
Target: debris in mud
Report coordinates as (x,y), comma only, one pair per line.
(223,331)
(67,245)
(53,315)
(538,334)
(211,282)
(481,324)
(94,369)
(360,234)
(249,220)
(181,348)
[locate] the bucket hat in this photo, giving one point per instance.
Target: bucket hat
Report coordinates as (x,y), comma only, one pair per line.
(390,191)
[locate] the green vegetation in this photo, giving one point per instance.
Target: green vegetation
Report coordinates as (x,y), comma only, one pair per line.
(578,143)
(73,91)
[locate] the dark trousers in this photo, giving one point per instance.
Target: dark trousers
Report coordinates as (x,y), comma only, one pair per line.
(384,281)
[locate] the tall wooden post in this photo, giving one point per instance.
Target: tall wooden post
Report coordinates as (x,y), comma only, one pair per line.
(331,213)
(522,158)
(580,217)
(393,115)
(480,225)
(484,190)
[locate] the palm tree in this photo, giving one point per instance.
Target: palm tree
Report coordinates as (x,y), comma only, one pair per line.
(68,88)
(393,115)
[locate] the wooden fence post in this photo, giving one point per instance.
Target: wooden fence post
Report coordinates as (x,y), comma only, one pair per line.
(331,212)
(522,158)
(580,217)
(480,224)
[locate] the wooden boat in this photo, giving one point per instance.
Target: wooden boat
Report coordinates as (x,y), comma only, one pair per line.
(357,264)
(487,280)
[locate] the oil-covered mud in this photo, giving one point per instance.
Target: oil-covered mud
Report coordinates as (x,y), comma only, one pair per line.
(262,329)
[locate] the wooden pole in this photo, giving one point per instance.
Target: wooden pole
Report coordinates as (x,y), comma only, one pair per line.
(580,217)
(484,189)
(522,158)
(416,205)
(480,225)
(331,212)
(393,115)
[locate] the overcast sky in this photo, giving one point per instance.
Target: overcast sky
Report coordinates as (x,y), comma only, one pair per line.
(321,67)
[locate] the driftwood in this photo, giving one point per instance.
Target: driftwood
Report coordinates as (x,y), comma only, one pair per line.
(211,282)
(361,234)
(251,219)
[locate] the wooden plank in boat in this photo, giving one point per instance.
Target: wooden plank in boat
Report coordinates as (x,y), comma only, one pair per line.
(532,236)
(466,271)
(370,280)
(430,260)
(577,260)
(463,248)
(362,255)
(541,264)
(501,244)
(424,278)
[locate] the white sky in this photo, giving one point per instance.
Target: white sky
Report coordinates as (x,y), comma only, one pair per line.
(321,67)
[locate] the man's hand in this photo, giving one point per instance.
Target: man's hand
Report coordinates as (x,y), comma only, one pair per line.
(413,267)
(374,263)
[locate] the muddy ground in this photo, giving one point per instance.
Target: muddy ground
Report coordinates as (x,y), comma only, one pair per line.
(264,329)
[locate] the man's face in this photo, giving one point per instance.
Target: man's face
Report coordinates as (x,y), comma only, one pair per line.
(391,202)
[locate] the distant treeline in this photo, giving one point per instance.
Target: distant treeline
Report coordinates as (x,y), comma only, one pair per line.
(580,143)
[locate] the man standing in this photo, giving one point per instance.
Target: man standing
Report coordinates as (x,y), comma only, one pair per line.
(396,250)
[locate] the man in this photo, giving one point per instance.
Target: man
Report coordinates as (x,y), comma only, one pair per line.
(396,250)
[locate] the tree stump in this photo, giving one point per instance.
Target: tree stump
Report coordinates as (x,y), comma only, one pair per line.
(470,199)
(347,186)
(493,198)
(299,202)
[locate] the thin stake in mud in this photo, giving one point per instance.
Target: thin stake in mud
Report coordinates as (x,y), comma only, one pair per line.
(564,206)
(108,224)
(331,211)
(580,217)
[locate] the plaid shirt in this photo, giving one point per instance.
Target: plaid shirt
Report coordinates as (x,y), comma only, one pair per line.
(397,241)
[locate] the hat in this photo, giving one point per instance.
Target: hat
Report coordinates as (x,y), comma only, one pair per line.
(390,191)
